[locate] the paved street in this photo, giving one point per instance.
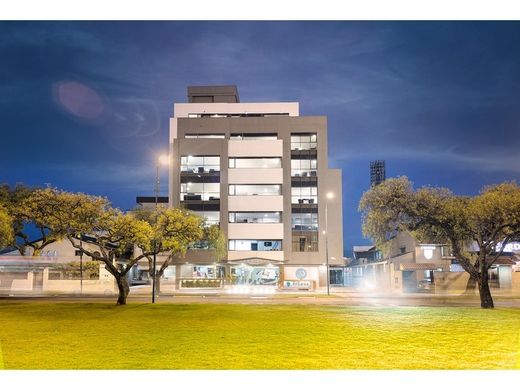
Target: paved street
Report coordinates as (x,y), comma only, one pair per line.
(343,298)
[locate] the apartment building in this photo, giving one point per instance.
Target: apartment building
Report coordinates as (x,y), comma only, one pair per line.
(260,170)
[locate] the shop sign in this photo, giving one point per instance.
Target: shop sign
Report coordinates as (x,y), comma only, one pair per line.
(301,273)
(298,284)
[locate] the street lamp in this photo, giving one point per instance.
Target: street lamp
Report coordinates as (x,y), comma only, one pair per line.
(161,160)
(80,264)
(330,195)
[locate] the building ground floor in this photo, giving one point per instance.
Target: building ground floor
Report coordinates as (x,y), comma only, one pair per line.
(240,275)
(428,277)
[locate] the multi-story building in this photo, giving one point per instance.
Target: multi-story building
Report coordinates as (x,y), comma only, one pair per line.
(261,171)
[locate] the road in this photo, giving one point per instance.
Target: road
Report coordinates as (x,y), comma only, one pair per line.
(337,299)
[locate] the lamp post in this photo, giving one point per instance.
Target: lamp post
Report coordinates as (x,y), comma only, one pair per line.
(329,195)
(162,160)
(80,265)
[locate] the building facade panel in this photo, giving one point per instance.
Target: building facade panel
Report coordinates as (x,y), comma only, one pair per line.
(238,256)
(255,203)
(253,148)
(255,175)
(255,230)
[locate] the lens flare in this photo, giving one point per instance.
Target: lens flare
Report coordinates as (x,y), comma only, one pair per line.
(79,99)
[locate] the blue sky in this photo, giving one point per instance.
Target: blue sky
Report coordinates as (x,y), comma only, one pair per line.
(85,106)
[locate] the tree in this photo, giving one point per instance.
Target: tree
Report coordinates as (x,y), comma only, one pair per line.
(487,221)
(216,241)
(12,198)
(6,228)
(176,230)
(112,232)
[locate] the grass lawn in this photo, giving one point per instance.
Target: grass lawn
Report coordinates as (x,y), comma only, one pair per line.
(212,336)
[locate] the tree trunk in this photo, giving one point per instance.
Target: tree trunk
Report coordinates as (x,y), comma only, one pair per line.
(471,285)
(124,289)
(486,301)
(157,284)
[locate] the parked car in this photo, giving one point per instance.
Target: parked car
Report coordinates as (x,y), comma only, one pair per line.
(425,285)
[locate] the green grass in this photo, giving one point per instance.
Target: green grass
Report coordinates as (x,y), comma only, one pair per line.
(211,336)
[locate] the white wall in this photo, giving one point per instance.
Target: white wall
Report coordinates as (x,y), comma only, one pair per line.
(181,110)
(270,255)
(255,176)
(255,148)
(255,203)
(255,231)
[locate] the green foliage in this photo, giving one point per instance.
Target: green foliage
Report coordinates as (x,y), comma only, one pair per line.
(176,229)
(216,240)
(12,198)
(6,228)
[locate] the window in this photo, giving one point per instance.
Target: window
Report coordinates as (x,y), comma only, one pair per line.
(304,221)
(218,136)
(255,189)
(200,164)
(255,245)
(200,191)
(402,250)
(253,136)
(304,232)
(304,167)
(304,195)
(304,241)
(305,141)
(210,217)
(265,217)
(268,162)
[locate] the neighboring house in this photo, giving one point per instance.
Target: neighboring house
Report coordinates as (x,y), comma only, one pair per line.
(412,266)
(363,254)
(59,269)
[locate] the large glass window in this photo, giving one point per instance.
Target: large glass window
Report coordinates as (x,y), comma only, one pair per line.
(200,164)
(200,191)
(255,189)
(304,221)
(304,195)
(210,217)
(265,217)
(303,141)
(255,275)
(268,162)
(304,241)
(255,245)
(304,167)
(252,136)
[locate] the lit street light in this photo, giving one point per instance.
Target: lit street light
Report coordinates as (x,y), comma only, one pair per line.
(162,160)
(329,195)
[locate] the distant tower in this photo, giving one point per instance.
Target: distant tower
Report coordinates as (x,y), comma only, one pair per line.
(377,172)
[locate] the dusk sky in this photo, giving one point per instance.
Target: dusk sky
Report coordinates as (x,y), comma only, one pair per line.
(85,106)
